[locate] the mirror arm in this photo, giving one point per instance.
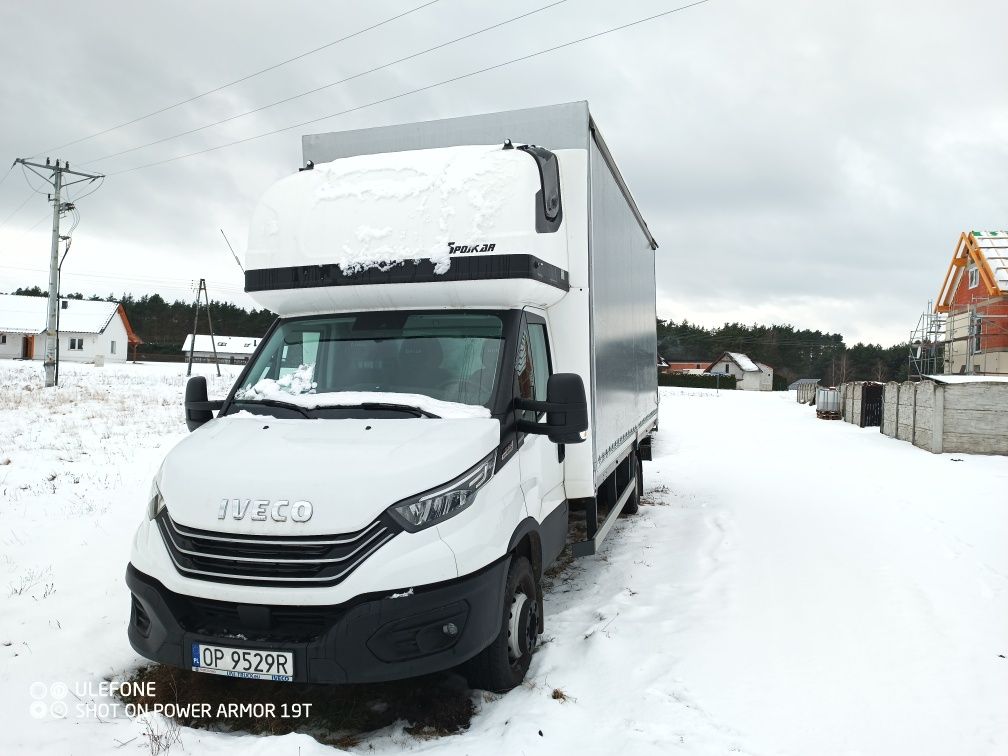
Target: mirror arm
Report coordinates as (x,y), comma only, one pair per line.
(213,405)
(534,406)
(526,426)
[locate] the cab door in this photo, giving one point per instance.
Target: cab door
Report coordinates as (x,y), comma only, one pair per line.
(539,459)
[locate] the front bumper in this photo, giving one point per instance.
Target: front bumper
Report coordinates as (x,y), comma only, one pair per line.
(369,639)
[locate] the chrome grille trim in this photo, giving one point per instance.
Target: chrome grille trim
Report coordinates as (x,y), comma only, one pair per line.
(255,540)
(206,556)
(277,560)
(260,581)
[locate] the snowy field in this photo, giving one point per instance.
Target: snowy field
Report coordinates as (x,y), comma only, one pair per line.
(795,586)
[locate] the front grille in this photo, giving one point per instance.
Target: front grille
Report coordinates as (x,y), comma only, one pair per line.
(290,561)
(223,618)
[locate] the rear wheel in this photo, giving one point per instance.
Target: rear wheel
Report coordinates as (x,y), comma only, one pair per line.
(502,665)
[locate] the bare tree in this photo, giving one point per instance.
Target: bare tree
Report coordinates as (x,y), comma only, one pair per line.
(881,373)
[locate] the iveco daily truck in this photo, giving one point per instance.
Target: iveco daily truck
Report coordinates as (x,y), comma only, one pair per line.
(463,361)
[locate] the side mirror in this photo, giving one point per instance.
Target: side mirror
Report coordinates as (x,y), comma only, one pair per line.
(566,409)
(198,409)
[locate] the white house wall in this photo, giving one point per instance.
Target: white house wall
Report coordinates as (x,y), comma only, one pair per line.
(13,346)
(95,344)
(754,381)
(746,380)
(732,369)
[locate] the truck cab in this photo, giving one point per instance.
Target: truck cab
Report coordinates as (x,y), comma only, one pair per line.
(381,490)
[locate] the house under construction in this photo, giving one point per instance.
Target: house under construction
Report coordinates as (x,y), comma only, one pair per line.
(966,330)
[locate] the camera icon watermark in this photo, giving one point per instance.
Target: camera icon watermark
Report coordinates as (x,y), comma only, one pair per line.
(47,700)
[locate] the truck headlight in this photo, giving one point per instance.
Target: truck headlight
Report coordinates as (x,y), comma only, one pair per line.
(155,502)
(438,504)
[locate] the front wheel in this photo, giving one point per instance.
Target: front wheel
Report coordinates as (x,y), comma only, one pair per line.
(502,665)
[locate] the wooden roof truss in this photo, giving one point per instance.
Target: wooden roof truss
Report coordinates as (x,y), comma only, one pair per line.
(967,250)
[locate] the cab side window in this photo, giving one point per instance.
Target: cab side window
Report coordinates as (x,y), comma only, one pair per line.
(540,359)
(532,367)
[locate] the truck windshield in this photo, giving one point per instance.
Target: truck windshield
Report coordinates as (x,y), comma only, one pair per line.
(446,356)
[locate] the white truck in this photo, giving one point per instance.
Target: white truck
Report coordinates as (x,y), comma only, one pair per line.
(464,361)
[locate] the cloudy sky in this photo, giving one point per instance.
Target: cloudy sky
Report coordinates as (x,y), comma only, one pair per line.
(798,161)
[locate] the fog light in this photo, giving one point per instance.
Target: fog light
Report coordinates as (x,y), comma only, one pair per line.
(420,634)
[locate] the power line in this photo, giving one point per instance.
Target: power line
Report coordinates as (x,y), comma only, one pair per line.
(443,82)
(101,182)
(29,182)
(239,80)
(36,223)
(8,173)
(17,209)
(720,339)
(318,89)
(181,283)
(33,226)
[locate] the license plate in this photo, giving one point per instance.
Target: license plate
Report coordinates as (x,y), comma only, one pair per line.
(243,662)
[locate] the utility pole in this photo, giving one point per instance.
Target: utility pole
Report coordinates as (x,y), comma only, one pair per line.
(59,274)
(213,339)
(54,176)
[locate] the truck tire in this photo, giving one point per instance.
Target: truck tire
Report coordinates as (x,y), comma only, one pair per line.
(633,503)
(502,665)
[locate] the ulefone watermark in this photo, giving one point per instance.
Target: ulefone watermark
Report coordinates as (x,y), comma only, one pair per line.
(89,699)
(103,700)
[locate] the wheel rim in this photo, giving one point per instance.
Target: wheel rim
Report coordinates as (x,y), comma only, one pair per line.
(523,626)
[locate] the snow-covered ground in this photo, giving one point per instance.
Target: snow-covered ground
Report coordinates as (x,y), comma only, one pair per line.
(795,586)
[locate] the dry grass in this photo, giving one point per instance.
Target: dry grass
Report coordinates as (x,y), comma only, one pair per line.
(61,440)
(656,497)
(161,735)
(33,578)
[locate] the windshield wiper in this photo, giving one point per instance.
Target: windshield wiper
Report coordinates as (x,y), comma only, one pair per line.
(275,403)
(407,408)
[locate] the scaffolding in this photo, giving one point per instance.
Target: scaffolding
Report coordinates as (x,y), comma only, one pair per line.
(968,340)
(927,343)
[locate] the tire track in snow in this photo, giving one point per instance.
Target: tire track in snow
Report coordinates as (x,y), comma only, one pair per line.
(624,610)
